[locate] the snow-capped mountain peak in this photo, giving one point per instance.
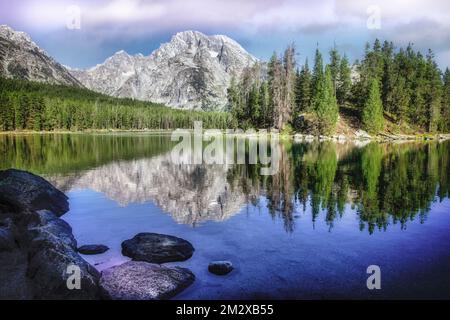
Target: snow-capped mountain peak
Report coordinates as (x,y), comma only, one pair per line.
(191,71)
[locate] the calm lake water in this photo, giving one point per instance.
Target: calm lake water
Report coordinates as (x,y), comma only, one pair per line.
(309,231)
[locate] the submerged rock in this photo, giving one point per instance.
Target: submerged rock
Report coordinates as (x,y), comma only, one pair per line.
(138,280)
(157,248)
(220,267)
(93,249)
(21,190)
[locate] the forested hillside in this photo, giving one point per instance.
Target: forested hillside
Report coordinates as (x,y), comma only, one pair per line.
(26,105)
(402,86)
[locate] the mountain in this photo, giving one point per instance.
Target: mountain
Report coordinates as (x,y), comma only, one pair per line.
(21,58)
(192,71)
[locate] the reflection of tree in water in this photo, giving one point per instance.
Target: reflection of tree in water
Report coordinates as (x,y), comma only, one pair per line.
(280,190)
(387,183)
(369,206)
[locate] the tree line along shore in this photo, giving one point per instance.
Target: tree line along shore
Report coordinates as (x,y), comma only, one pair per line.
(390,92)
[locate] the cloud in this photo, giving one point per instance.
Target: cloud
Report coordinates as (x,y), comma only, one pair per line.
(250,15)
(425,23)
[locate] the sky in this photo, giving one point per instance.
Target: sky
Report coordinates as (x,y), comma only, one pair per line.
(83,33)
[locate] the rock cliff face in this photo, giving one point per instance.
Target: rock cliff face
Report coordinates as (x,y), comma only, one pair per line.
(21,58)
(192,71)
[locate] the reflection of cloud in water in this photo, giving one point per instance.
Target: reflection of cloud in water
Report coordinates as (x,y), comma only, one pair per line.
(191,194)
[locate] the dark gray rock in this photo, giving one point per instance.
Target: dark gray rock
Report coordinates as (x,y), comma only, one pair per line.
(51,250)
(21,190)
(157,248)
(138,280)
(46,227)
(220,267)
(93,249)
(7,242)
(48,274)
(43,246)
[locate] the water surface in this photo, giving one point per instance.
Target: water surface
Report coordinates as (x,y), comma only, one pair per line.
(309,231)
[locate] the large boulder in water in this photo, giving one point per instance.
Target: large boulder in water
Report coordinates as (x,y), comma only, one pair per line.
(21,190)
(52,258)
(37,249)
(138,280)
(157,248)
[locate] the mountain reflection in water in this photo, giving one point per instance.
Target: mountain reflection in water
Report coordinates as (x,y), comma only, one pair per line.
(387,183)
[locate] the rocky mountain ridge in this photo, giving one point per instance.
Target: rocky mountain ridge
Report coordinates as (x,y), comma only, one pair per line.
(21,58)
(192,71)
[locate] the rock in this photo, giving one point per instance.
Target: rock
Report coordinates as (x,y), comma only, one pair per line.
(7,242)
(138,280)
(21,190)
(51,250)
(220,267)
(298,137)
(47,227)
(93,249)
(361,134)
(49,270)
(157,248)
(43,246)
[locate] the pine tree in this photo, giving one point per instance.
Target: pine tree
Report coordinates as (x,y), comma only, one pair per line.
(289,84)
(318,74)
(344,83)
(372,114)
(276,88)
(399,98)
(388,77)
(325,104)
(266,111)
(445,126)
(434,93)
(303,94)
(5,113)
(335,61)
(21,112)
(254,105)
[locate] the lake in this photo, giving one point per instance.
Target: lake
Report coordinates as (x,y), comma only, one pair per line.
(310,230)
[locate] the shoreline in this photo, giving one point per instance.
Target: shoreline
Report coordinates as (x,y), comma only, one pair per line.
(298,137)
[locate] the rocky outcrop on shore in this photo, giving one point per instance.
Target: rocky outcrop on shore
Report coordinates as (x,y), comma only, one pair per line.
(36,246)
(39,256)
